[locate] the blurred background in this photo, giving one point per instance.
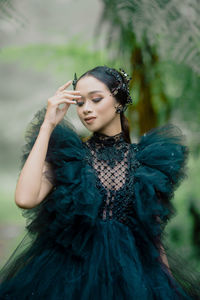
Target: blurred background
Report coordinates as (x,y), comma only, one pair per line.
(156,42)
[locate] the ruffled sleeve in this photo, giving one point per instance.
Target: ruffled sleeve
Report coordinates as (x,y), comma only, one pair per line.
(162,157)
(67,216)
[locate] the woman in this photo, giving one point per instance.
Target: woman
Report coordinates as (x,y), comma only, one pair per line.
(96,208)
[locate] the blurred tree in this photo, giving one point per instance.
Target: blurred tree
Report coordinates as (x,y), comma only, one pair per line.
(146,34)
(196,228)
(9,13)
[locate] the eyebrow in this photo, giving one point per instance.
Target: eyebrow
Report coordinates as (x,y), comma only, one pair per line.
(93,92)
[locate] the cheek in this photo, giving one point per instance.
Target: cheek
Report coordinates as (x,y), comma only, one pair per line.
(106,109)
(78,110)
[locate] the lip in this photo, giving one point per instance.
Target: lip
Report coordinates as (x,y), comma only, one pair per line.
(89,119)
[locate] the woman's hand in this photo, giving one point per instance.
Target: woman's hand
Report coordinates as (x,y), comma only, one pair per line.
(54,114)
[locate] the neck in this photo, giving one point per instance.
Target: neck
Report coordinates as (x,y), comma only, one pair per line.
(113,129)
(103,140)
(107,135)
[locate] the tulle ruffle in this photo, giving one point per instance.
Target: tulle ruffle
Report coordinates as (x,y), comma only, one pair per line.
(163,166)
(70,253)
(112,271)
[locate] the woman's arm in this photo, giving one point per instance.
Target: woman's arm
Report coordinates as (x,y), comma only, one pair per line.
(164,256)
(47,181)
(164,259)
(32,186)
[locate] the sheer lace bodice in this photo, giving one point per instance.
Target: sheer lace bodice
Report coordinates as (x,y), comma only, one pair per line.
(110,158)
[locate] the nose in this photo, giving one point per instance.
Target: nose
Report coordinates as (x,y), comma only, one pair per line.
(87,107)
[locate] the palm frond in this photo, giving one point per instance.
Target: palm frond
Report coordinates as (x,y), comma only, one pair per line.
(172,26)
(9,13)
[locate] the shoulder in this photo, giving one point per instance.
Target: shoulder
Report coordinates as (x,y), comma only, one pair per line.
(167,133)
(162,151)
(164,137)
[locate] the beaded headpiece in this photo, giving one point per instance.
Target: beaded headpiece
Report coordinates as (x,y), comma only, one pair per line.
(123,84)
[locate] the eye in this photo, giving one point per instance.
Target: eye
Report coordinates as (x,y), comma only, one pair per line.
(96,99)
(80,103)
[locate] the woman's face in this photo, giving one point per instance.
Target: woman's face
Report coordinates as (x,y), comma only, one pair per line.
(97,102)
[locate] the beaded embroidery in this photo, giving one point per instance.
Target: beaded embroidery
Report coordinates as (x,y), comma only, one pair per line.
(112,159)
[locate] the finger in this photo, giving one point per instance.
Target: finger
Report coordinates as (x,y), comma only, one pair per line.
(71,92)
(66,94)
(67,97)
(65,85)
(65,101)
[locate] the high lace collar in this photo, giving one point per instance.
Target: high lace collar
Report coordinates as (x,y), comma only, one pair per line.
(107,140)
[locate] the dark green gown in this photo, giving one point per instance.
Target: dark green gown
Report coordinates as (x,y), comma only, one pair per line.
(98,234)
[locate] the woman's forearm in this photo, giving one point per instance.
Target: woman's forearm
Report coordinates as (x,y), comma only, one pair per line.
(164,259)
(29,181)
(164,256)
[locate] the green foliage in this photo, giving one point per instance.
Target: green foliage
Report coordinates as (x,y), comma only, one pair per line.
(170,28)
(159,44)
(57,59)
(9,13)
(181,226)
(9,212)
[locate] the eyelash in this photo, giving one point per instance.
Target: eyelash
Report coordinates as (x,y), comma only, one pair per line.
(95,100)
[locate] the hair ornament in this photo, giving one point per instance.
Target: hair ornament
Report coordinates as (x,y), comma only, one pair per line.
(126,77)
(122,84)
(74,81)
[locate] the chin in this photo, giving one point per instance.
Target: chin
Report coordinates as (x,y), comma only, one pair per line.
(92,127)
